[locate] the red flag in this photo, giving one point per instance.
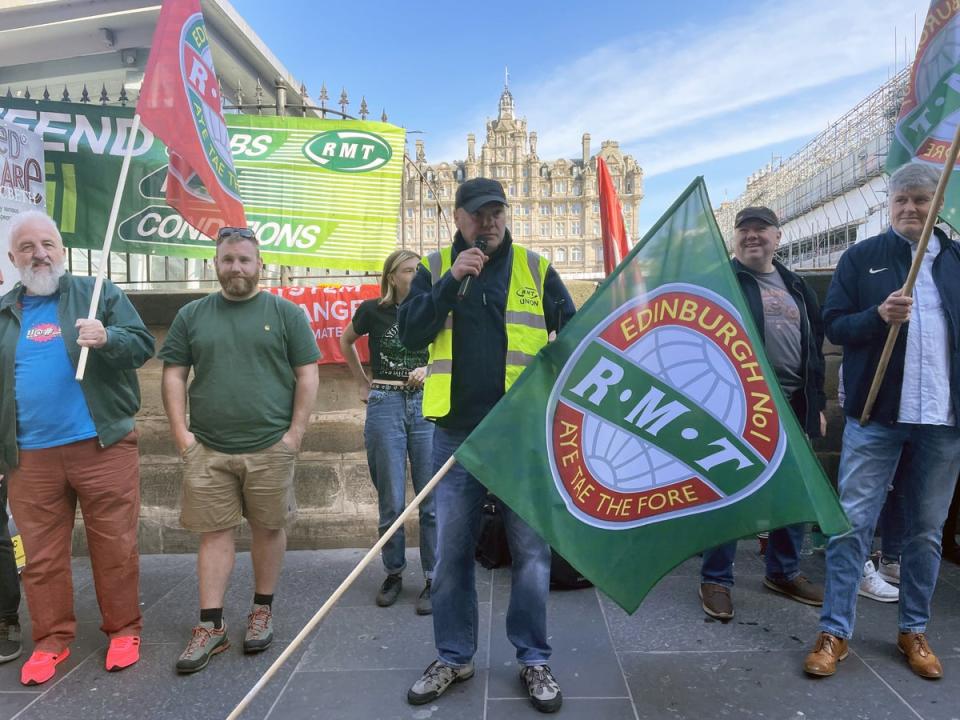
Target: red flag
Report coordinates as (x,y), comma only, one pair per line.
(180,102)
(615,246)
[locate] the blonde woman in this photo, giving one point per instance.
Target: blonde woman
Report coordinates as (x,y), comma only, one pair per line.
(394,429)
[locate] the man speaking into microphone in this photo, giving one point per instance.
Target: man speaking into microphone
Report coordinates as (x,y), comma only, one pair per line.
(484,306)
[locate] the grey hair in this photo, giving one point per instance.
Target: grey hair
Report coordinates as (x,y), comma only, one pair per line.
(22,218)
(914,176)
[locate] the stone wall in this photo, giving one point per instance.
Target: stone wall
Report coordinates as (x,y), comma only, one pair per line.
(337,502)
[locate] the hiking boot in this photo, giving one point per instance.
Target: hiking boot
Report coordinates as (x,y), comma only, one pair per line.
(799,589)
(11,644)
(423,605)
(389,591)
(921,658)
(436,679)
(716,601)
(123,652)
(875,587)
(41,666)
(822,660)
(889,570)
(206,642)
(543,688)
(259,629)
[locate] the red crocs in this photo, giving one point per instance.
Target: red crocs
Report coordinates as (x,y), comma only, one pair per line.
(123,652)
(41,666)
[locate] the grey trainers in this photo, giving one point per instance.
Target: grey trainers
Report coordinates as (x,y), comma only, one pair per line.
(436,679)
(10,641)
(389,591)
(542,686)
(206,642)
(423,605)
(259,629)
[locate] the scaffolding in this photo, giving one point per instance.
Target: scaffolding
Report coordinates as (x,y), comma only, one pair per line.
(843,159)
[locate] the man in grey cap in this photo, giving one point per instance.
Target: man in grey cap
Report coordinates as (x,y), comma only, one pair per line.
(787,315)
(484,307)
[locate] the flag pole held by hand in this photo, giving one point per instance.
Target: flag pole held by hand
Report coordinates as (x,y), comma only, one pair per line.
(344,586)
(108,240)
(894,331)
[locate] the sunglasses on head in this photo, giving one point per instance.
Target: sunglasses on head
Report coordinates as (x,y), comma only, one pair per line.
(242,232)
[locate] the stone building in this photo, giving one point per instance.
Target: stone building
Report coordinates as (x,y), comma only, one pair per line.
(554,207)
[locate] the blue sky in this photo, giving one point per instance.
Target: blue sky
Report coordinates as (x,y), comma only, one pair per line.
(688,88)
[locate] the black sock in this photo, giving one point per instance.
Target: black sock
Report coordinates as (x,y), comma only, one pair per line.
(214,615)
(259,599)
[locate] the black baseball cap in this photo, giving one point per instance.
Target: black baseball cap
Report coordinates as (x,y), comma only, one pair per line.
(474,194)
(758,212)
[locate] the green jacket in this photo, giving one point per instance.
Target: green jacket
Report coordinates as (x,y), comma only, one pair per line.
(110,384)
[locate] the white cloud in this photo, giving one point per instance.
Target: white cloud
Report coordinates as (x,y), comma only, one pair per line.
(697,83)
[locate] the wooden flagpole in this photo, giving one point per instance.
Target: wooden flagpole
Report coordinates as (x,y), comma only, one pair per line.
(894,331)
(108,239)
(344,586)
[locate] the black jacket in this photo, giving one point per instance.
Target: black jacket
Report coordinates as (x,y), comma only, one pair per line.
(811,338)
(866,274)
(479,330)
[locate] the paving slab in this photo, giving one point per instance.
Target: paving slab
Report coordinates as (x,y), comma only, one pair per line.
(668,660)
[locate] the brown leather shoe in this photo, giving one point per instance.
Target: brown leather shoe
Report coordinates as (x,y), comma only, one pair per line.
(799,589)
(822,660)
(716,601)
(921,658)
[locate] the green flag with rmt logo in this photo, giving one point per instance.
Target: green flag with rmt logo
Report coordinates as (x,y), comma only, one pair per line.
(653,428)
(928,115)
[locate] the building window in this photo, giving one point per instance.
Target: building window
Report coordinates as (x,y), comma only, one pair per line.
(526,228)
(526,209)
(576,254)
(428,232)
(560,187)
(559,229)
(526,185)
(575,228)
(545,229)
(443,231)
(578,189)
(430,194)
(561,255)
(598,254)
(429,212)
(545,252)
(544,209)
(544,190)
(596,206)
(561,209)
(596,229)
(576,208)
(409,212)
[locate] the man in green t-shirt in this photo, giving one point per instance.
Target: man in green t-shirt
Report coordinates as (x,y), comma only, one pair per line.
(254,361)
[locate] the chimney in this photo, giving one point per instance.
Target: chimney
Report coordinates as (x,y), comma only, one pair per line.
(586,149)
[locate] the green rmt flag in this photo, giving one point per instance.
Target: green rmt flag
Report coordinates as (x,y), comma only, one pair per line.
(930,110)
(653,428)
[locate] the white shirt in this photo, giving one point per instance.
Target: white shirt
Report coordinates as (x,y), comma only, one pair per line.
(925,396)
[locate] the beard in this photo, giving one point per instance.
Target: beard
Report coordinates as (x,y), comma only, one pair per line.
(238,287)
(42,282)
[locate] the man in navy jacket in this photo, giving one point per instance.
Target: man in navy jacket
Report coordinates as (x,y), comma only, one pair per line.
(918,403)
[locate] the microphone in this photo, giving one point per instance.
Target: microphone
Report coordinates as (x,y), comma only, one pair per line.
(481,244)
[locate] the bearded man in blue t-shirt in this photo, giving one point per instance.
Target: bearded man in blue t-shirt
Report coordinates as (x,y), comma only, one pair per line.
(62,441)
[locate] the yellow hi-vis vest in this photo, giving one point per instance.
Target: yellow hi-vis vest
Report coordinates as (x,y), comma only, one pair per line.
(525,324)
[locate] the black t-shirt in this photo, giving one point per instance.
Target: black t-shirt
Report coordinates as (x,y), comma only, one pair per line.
(389,360)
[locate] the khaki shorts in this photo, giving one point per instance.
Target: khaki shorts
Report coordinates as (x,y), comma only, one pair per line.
(218,488)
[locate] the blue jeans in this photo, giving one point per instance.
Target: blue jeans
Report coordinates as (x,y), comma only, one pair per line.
(454,592)
(892,521)
(783,557)
(867,464)
(394,430)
